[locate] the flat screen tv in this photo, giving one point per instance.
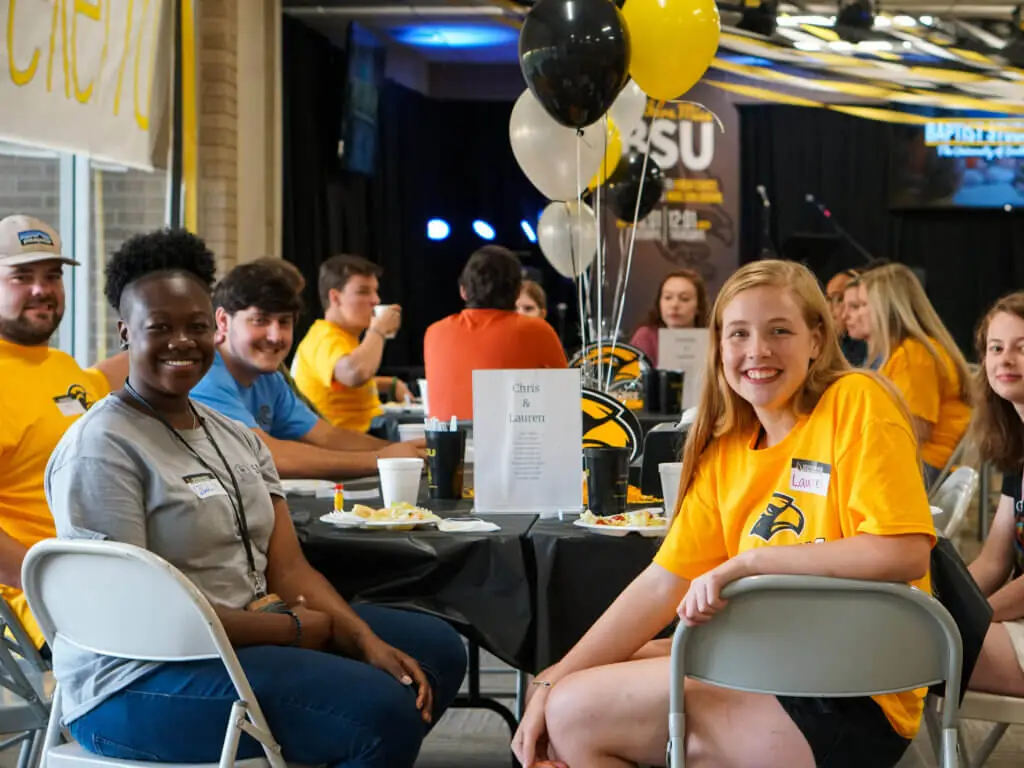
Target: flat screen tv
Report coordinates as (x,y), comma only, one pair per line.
(357,143)
(958,163)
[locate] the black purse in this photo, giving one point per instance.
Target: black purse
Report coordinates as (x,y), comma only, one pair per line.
(955,588)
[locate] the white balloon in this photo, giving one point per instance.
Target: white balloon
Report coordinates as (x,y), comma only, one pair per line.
(628,109)
(546,151)
(567,233)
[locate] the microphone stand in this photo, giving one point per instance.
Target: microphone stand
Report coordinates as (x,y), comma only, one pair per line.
(827,214)
(768,249)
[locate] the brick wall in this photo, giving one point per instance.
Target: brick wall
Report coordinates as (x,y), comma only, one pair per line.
(217,40)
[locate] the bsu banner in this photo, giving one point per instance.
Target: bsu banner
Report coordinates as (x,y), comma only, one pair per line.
(696,224)
(86,76)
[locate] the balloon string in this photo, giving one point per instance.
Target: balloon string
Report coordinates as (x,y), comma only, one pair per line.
(632,239)
(721,125)
(575,251)
(599,269)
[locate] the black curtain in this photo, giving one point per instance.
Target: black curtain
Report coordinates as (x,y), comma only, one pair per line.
(970,256)
(444,159)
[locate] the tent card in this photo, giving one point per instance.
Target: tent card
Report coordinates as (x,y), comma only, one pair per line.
(686,350)
(528,438)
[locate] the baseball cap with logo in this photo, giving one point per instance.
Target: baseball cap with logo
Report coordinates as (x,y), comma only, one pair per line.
(25,240)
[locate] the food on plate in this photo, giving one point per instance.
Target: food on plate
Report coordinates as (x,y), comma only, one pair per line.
(396,513)
(641,518)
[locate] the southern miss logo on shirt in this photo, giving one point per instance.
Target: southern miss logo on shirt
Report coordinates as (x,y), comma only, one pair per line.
(624,361)
(781,515)
(607,422)
(76,392)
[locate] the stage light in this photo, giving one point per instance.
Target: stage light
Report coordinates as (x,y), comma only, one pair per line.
(528,231)
(483,229)
(438,229)
(456,35)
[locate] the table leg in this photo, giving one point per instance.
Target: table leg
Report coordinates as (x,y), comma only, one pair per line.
(983,501)
(475,700)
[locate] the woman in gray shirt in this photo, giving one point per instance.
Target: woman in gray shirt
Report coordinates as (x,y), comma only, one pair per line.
(150,467)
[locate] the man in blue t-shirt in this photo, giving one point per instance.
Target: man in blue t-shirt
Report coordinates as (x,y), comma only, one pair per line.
(257,305)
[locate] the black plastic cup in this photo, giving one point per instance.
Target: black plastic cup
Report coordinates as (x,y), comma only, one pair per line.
(670,391)
(652,401)
(607,479)
(446,463)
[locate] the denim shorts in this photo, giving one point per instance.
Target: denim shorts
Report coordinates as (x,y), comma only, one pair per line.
(846,732)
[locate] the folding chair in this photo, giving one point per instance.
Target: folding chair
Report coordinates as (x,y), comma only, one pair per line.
(1003,711)
(119,600)
(954,497)
(954,459)
(27,686)
(823,637)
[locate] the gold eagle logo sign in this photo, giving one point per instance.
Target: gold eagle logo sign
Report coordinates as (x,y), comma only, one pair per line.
(624,361)
(608,423)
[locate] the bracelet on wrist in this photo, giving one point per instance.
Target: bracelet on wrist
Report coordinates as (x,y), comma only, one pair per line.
(298,629)
(542,683)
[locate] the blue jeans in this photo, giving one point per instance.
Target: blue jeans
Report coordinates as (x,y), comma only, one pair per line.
(321,708)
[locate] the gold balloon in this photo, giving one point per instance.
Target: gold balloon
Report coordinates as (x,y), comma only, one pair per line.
(612,155)
(673,43)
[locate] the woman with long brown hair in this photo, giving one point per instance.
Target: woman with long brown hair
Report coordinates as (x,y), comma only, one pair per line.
(998,432)
(785,430)
(911,347)
(681,302)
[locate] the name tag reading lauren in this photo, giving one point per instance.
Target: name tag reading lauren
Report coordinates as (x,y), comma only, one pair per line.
(810,477)
(205,485)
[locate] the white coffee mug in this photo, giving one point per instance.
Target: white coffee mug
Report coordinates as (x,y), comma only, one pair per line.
(379,310)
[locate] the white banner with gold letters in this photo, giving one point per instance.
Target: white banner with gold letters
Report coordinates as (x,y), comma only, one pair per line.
(87,76)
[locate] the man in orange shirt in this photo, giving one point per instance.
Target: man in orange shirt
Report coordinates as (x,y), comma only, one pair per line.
(487,334)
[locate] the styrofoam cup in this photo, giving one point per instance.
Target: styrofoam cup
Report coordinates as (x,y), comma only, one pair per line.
(670,472)
(399,480)
(409,432)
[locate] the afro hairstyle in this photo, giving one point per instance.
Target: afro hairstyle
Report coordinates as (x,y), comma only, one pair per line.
(165,250)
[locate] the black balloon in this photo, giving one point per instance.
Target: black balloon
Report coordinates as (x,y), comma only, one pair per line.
(575,58)
(624,186)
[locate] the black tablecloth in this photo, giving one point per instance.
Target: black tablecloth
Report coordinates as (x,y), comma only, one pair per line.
(477,581)
(578,575)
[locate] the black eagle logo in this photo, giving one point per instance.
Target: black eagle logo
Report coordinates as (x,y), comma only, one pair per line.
(607,422)
(781,515)
(624,361)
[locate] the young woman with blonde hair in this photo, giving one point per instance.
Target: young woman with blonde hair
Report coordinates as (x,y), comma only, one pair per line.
(912,348)
(790,447)
(998,432)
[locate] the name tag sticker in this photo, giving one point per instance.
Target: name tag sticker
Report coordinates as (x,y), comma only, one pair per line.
(69,406)
(810,477)
(205,485)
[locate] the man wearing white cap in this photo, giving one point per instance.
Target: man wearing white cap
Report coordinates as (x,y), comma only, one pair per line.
(43,392)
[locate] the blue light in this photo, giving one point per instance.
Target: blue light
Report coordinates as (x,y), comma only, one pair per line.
(483,229)
(456,35)
(438,229)
(528,231)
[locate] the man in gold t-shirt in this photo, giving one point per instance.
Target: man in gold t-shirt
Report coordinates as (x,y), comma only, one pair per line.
(44,391)
(335,368)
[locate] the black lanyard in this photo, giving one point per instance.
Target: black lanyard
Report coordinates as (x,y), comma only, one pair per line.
(237,503)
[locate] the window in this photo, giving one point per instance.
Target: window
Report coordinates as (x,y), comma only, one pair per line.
(30,183)
(125,202)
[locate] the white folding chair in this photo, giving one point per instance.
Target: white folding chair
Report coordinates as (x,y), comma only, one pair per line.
(954,497)
(26,688)
(816,636)
(119,600)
